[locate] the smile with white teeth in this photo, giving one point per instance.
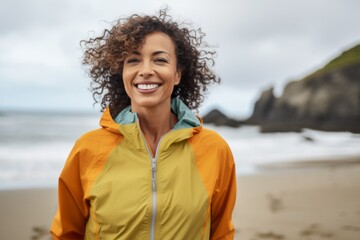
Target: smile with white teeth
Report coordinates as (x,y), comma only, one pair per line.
(147,86)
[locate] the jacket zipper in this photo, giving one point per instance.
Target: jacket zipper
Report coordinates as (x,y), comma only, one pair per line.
(153,176)
(153,211)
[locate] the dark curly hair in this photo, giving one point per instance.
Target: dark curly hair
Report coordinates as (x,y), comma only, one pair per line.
(105,56)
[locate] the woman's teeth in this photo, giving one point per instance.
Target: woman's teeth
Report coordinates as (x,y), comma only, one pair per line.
(147,86)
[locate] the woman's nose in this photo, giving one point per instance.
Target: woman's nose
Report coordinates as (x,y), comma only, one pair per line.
(146,70)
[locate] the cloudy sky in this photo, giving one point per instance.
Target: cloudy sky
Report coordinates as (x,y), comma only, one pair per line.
(260,43)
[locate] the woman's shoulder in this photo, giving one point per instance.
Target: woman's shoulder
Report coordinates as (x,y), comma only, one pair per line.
(211,148)
(207,132)
(98,134)
(209,137)
(97,139)
(91,148)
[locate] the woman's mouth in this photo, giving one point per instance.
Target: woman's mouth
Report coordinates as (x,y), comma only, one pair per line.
(149,86)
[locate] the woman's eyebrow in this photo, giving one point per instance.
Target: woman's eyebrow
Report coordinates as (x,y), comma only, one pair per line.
(160,52)
(153,54)
(135,53)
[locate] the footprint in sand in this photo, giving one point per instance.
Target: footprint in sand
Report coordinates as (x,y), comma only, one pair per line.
(270,235)
(40,233)
(316,230)
(275,203)
(351,228)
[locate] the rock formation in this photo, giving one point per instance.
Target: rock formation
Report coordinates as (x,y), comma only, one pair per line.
(219,119)
(328,99)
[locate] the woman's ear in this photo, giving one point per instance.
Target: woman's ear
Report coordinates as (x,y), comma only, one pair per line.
(178,76)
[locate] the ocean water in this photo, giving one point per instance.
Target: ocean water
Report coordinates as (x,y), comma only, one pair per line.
(34,146)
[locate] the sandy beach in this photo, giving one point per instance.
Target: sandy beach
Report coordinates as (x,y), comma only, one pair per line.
(26,214)
(314,200)
(307,201)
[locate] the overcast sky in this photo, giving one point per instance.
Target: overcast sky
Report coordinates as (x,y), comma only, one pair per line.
(260,43)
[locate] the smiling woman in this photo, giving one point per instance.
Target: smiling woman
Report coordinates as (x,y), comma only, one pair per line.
(152,171)
(106,55)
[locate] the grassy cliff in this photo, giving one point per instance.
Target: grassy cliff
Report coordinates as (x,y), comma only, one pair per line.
(348,57)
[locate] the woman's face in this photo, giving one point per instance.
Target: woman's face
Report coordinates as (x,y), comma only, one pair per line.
(150,73)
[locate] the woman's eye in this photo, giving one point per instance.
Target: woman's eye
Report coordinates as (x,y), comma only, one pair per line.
(161,60)
(132,60)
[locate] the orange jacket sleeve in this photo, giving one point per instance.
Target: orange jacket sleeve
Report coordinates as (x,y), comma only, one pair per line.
(223,200)
(73,210)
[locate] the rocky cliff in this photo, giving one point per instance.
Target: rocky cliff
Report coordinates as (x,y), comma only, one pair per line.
(328,99)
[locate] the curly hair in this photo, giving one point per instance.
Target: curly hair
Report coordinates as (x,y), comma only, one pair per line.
(105,56)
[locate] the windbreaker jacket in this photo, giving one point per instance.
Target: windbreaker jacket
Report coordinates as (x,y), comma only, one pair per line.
(112,188)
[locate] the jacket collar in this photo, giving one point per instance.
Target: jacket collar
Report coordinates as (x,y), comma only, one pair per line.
(127,119)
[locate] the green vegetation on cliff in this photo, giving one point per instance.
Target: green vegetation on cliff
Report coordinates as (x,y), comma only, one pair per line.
(348,57)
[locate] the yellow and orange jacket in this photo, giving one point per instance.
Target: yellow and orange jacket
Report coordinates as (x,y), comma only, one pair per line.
(112,187)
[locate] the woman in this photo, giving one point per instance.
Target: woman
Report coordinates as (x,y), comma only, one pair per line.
(152,171)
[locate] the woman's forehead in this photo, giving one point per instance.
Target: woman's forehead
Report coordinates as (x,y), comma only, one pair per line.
(157,42)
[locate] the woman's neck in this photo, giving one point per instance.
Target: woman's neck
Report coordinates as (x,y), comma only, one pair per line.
(154,124)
